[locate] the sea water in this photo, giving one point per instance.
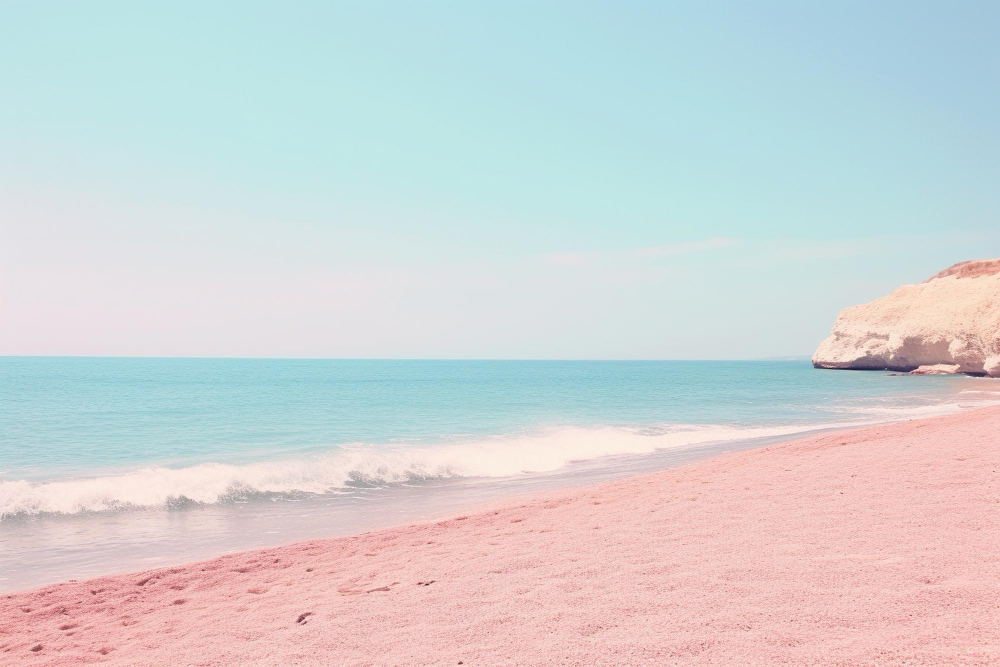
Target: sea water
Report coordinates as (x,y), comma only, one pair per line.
(111,464)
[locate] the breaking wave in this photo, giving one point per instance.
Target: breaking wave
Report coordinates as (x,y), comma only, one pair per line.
(366,465)
(359,465)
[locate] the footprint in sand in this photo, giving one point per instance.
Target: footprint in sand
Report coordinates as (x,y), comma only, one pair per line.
(383,589)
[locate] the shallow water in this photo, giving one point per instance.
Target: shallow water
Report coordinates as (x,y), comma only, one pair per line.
(118,464)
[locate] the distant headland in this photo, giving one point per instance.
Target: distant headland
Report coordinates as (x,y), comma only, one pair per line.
(950,323)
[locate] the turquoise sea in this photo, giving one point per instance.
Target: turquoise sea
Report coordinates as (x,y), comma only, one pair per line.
(120,463)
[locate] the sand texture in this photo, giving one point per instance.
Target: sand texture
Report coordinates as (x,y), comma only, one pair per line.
(953,318)
(875,546)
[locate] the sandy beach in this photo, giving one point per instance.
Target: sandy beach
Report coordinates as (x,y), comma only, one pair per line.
(873,546)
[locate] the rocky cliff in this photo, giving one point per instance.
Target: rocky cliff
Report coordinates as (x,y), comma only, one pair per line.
(952,318)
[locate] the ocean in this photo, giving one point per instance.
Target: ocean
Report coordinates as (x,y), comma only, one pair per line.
(114,464)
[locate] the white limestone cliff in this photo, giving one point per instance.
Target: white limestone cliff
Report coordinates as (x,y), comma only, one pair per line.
(952,318)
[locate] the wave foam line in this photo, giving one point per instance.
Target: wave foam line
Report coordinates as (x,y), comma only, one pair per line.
(366,464)
(896,413)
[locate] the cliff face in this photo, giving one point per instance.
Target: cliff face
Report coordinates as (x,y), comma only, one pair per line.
(952,318)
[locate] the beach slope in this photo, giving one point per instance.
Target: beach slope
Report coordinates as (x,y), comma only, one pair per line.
(874,546)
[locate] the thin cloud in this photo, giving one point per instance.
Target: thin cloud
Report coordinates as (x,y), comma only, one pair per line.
(710,243)
(645,252)
(570,258)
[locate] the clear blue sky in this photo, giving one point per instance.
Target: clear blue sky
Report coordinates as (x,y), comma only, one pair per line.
(472,179)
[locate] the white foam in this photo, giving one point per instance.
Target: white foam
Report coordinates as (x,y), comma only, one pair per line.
(370,464)
(897,413)
(339,468)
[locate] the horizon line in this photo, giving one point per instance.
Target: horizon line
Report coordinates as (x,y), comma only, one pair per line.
(786,357)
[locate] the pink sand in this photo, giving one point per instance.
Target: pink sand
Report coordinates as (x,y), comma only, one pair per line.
(867,547)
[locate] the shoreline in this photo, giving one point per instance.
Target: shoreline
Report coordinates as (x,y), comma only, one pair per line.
(858,545)
(448,498)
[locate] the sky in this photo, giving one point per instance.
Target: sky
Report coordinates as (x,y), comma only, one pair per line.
(586,180)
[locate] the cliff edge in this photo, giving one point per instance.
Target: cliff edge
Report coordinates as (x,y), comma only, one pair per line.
(952,318)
